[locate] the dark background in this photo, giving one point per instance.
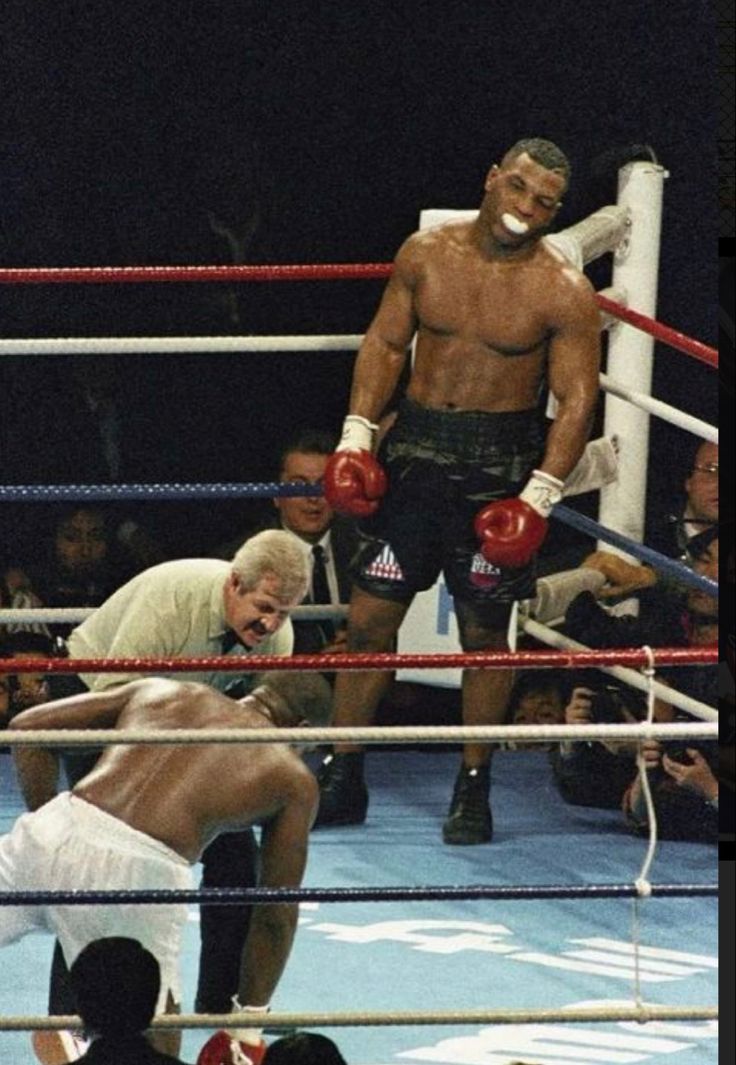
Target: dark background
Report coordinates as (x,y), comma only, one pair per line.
(292,131)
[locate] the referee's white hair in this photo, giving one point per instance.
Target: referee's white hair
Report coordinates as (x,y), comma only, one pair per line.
(273,552)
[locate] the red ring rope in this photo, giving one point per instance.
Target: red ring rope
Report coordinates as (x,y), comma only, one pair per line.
(103,275)
(677,340)
(632,656)
(310,272)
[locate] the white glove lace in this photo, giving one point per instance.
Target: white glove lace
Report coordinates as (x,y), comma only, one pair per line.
(357,434)
(249,1036)
(542,491)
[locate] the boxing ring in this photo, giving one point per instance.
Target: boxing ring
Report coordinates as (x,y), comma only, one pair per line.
(575,960)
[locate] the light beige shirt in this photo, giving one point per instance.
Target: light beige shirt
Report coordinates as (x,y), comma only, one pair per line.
(175,609)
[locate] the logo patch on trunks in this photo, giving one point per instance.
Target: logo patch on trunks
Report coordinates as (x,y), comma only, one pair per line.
(384,566)
(483,574)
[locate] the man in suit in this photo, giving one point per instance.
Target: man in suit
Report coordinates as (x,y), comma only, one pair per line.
(329,541)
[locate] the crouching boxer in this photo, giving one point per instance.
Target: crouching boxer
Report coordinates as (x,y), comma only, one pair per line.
(142,817)
(467,475)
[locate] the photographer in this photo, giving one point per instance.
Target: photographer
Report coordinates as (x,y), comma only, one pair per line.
(684,783)
(592,773)
(18,691)
(684,790)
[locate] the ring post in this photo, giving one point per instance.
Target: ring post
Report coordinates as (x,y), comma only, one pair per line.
(635,271)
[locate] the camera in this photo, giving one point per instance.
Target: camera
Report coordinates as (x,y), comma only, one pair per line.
(677,751)
(606,705)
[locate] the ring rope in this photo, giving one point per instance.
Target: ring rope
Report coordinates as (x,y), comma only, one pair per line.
(672,337)
(379,660)
(282,344)
(544,633)
(662,410)
(369,734)
(269,490)
(238,896)
(379,735)
(178,345)
(59,615)
(645,554)
(105,275)
(643,884)
(669,695)
(643,879)
(316,272)
(50,493)
(354,1019)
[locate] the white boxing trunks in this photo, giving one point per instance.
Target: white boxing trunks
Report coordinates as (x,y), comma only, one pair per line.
(69,844)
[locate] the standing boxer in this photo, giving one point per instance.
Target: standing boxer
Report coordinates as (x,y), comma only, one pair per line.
(467,476)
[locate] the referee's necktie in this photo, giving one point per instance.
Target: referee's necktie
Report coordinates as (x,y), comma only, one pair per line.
(228,641)
(321,589)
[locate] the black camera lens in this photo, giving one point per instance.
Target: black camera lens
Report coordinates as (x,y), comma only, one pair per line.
(604,707)
(677,752)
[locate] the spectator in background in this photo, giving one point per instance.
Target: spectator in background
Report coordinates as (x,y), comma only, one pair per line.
(329,541)
(116,984)
(99,427)
(697,509)
(536,699)
(82,562)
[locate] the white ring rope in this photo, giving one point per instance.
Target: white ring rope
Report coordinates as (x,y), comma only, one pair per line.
(674,730)
(71,615)
(207,345)
(183,345)
(690,424)
(667,695)
(188,345)
(566,1015)
(643,881)
(643,884)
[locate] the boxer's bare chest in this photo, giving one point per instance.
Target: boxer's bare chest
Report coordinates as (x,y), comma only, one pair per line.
(502,307)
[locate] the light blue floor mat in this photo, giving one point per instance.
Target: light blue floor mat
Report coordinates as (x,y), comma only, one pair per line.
(458,955)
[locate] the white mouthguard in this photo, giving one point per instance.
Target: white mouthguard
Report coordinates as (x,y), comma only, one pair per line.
(514,225)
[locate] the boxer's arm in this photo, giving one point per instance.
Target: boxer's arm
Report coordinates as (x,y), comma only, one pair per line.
(38,775)
(284,843)
(384,349)
(38,767)
(86,710)
(573,367)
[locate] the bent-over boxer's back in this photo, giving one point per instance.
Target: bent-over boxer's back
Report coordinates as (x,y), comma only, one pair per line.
(186,795)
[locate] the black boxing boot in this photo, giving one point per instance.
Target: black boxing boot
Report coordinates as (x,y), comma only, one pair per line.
(343,795)
(469,819)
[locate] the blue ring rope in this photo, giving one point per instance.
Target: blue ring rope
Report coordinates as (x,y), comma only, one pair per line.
(240,896)
(69,493)
(35,493)
(641,551)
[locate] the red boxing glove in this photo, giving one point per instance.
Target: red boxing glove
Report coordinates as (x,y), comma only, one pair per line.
(354,483)
(223,1049)
(512,530)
